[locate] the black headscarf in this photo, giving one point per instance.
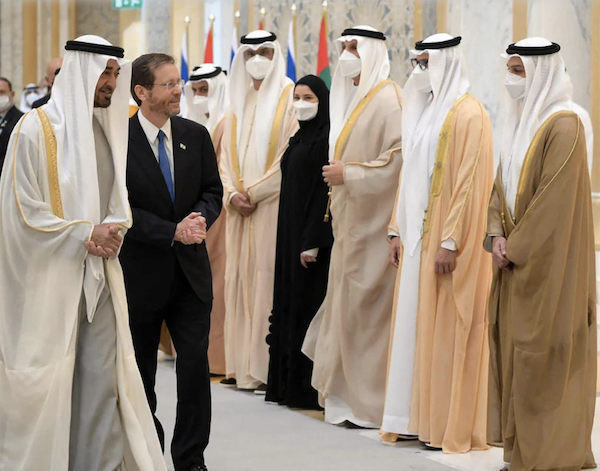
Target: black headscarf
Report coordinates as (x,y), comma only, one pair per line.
(319,125)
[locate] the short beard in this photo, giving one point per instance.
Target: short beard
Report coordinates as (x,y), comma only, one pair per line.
(100,101)
(105,103)
(160,107)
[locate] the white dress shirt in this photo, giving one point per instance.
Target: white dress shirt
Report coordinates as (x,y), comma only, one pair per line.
(151,132)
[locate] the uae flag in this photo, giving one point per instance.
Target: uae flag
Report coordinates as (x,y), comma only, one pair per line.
(208,49)
(323,70)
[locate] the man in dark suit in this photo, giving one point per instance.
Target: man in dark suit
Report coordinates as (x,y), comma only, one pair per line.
(175,194)
(9,116)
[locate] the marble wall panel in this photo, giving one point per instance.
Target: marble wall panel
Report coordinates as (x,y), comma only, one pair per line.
(98,18)
(11,43)
(156,24)
(429,18)
(393,17)
(567,22)
(486,28)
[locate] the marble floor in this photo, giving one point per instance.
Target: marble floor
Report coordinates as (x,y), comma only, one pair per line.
(251,435)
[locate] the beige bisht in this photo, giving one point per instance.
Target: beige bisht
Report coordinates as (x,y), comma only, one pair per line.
(45,271)
(258,128)
(348,338)
(542,311)
(215,245)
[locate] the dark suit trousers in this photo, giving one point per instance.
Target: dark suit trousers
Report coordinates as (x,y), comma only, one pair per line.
(188,320)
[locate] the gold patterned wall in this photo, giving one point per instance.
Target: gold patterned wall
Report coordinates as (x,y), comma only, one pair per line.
(393,17)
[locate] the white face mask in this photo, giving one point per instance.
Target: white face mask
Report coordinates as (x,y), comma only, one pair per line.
(350,65)
(258,67)
(31,98)
(422,80)
(4,103)
(201,103)
(305,111)
(515,86)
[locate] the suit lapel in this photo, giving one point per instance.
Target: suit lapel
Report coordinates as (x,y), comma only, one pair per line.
(147,161)
(181,158)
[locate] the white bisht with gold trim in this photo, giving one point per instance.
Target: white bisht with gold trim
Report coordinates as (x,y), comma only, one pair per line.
(258,128)
(50,205)
(348,339)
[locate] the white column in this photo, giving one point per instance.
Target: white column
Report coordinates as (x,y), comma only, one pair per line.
(567,22)
(486,28)
(156,21)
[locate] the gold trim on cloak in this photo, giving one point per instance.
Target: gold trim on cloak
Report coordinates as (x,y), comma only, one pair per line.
(527,162)
(273,139)
(342,140)
(52,161)
(527,168)
(16,188)
(439,168)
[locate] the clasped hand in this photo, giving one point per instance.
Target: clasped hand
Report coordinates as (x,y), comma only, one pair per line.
(105,241)
(191,230)
(499,253)
(241,203)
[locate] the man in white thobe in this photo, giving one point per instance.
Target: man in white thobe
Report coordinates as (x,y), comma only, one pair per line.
(72,397)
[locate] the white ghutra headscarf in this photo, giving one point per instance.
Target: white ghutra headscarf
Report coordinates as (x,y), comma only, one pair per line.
(423,115)
(268,95)
(375,68)
(70,111)
(218,97)
(545,94)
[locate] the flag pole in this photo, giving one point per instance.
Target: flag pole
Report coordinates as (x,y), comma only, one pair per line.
(187,34)
(263,13)
(327,216)
(294,16)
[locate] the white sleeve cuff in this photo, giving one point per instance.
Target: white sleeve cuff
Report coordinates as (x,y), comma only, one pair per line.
(311,252)
(449,244)
(232,195)
(353,172)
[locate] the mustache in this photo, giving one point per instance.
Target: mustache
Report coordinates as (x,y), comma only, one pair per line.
(107,89)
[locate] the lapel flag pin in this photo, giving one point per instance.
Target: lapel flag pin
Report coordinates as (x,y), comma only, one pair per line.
(182,146)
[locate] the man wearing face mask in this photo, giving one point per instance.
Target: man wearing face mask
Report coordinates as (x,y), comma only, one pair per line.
(542,311)
(9,116)
(348,339)
(30,95)
(207,102)
(258,128)
(439,351)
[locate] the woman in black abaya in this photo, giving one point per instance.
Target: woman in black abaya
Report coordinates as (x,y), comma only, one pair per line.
(304,242)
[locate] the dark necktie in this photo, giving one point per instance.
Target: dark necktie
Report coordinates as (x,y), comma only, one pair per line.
(163,162)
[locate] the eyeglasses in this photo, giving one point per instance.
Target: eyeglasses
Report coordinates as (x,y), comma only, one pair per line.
(171,85)
(422,63)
